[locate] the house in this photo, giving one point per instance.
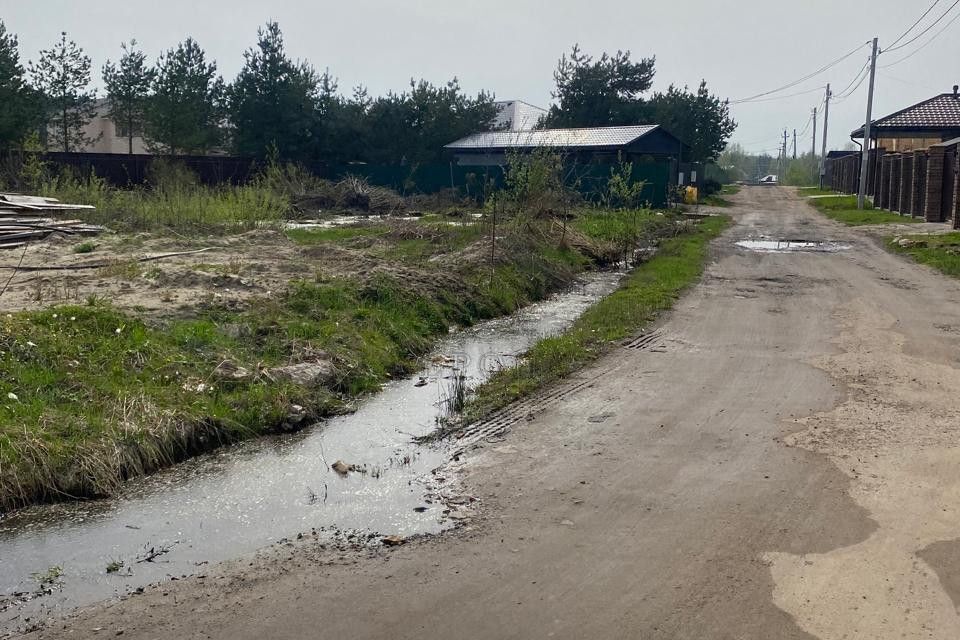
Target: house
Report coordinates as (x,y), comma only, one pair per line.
(919,126)
(517,115)
(596,145)
(592,154)
(108,136)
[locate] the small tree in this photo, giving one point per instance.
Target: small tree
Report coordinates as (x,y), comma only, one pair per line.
(127,87)
(62,75)
(184,113)
(20,112)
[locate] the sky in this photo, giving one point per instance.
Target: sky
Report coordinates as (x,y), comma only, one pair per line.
(741,48)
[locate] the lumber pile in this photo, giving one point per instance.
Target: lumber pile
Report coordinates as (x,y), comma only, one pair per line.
(27,218)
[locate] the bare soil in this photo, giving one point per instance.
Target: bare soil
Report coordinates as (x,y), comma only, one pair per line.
(782,465)
(223,269)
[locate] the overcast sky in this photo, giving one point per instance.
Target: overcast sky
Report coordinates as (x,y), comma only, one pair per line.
(741,47)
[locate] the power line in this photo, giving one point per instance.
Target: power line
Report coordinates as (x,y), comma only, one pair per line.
(929,27)
(774,98)
(863,76)
(913,26)
(803,79)
(922,46)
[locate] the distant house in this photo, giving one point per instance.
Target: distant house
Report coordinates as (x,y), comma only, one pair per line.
(517,115)
(108,136)
(596,145)
(919,126)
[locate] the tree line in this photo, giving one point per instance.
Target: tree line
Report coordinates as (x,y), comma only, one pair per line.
(285,110)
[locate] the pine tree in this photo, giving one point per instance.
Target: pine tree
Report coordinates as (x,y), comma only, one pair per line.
(184,113)
(127,88)
(273,102)
(20,112)
(62,76)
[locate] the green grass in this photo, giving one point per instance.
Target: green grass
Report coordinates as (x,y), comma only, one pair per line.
(647,291)
(333,234)
(729,189)
(717,199)
(940,251)
(815,191)
(843,209)
(91,395)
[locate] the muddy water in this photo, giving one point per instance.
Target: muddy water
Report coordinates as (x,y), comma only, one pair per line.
(244,497)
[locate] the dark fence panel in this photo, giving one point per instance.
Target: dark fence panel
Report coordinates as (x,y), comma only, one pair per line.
(124,170)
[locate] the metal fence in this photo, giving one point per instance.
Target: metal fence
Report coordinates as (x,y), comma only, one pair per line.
(426,178)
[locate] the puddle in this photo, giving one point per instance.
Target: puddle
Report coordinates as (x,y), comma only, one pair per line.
(244,497)
(792,246)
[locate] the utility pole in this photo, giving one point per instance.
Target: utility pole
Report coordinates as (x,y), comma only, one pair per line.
(826,120)
(865,161)
(813,152)
(783,167)
(794,144)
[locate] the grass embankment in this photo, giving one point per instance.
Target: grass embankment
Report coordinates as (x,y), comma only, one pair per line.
(940,251)
(843,209)
(650,289)
(93,394)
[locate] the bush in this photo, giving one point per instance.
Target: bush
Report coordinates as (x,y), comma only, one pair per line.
(710,187)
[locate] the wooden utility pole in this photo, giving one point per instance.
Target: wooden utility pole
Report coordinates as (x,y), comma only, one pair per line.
(794,144)
(865,160)
(826,121)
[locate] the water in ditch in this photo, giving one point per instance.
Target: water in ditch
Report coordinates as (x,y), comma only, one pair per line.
(247,496)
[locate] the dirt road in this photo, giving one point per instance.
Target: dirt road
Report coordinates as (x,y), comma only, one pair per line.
(782,463)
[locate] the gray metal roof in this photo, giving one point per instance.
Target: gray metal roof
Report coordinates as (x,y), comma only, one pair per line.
(558,138)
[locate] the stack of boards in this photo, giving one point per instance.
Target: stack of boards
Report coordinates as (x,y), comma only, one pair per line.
(24,219)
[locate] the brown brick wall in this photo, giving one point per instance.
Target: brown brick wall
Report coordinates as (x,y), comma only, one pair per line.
(919,183)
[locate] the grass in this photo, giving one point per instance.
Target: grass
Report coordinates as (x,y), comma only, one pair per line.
(647,291)
(717,199)
(332,234)
(815,191)
(91,394)
(940,251)
(843,209)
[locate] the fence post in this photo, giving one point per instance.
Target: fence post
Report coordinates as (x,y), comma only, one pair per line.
(933,205)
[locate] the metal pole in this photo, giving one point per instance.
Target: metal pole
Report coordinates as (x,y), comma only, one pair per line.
(826,120)
(865,161)
(794,144)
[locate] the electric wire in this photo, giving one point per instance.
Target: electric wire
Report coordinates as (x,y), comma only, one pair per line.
(926,30)
(922,46)
(790,85)
(913,26)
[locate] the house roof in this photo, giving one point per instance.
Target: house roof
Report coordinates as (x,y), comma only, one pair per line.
(939,113)
(517,115)
(592,138)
